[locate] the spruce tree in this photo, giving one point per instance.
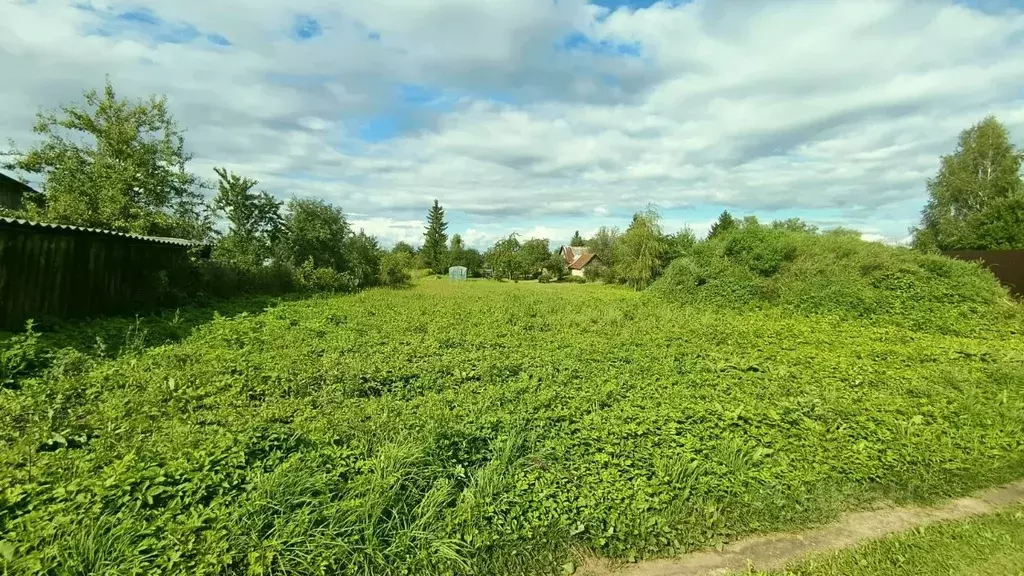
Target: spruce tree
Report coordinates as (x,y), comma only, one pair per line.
(724,223)
(577,240)
(435,243)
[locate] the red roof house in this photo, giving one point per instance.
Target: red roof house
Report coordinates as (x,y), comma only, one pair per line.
(578,258)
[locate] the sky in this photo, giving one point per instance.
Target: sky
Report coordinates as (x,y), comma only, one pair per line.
(546,116)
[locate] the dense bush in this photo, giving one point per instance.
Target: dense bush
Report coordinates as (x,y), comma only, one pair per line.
(594,272)
(311,278)
(836,272)
(18,356)
(218,279)
(395,269)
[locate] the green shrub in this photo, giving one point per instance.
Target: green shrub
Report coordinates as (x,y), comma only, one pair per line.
(594,272)
(545,277)
(311,278)
(556,267)
(836,272)
(18,356)
(215,279)
(395,269)
(574,279)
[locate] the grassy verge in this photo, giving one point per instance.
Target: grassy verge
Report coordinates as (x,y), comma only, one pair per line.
(991,545)
(486,428)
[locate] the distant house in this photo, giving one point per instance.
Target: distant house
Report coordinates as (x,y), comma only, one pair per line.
(578,258)
(12,192)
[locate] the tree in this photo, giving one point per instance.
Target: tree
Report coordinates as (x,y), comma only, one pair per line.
(472,260)
(976,201)
(504,259)
(404,248)
(679,244)
(577,240)
(457,252)
(557,267)
(435,244)
(364,256)
(795,225)
(641,250)
(316,230)
(116,164)
(254,219)
(724,223)
(394,269)
(533,255)
(602,244)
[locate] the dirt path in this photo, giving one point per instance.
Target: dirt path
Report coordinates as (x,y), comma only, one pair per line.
(776,550)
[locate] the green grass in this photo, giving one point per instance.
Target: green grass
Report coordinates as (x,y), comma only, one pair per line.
(486,428)
(991,545)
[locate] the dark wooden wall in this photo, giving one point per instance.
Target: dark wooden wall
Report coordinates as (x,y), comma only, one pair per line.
(10,198)
(1007,265)
(11,192)
(53,273)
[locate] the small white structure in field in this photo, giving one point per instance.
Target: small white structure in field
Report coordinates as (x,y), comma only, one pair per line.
(457,273)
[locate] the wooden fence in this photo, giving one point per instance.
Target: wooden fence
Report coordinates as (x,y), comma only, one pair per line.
(49,271)
(1007,265)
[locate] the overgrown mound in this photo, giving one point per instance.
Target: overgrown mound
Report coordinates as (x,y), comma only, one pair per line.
(836,272)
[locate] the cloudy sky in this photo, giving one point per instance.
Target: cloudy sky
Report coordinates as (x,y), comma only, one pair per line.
(546,116)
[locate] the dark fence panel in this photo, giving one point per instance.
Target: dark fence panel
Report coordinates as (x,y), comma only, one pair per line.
(61,273)
(1007,265)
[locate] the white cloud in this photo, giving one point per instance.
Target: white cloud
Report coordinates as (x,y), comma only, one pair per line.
(389,231)
(837,107)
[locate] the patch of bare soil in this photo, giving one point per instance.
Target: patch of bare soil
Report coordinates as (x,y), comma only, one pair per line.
(774,551)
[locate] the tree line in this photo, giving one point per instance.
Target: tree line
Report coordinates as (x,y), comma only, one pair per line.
(121,165)
(976,202)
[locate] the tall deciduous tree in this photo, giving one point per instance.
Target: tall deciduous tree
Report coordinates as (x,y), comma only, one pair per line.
(724,223)
(364,256)
(577,240)
(316,230)
(504,258)
(641,250)
(457,251)
(534,254)
(116,164)
(254,219)
(602,244)
(976,201)
(435,243)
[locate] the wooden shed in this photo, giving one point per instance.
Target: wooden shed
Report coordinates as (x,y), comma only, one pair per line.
(58,271)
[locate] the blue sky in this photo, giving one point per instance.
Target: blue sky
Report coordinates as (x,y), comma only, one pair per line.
(545,117)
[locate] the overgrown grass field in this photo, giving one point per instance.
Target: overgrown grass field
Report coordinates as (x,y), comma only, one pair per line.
(489,428)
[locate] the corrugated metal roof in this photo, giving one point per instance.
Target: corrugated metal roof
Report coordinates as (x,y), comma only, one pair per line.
(580,262)
(572,253)
(157,239)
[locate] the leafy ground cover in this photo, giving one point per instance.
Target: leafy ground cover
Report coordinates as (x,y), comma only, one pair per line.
(486,428)
(991,545)
(837,273)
